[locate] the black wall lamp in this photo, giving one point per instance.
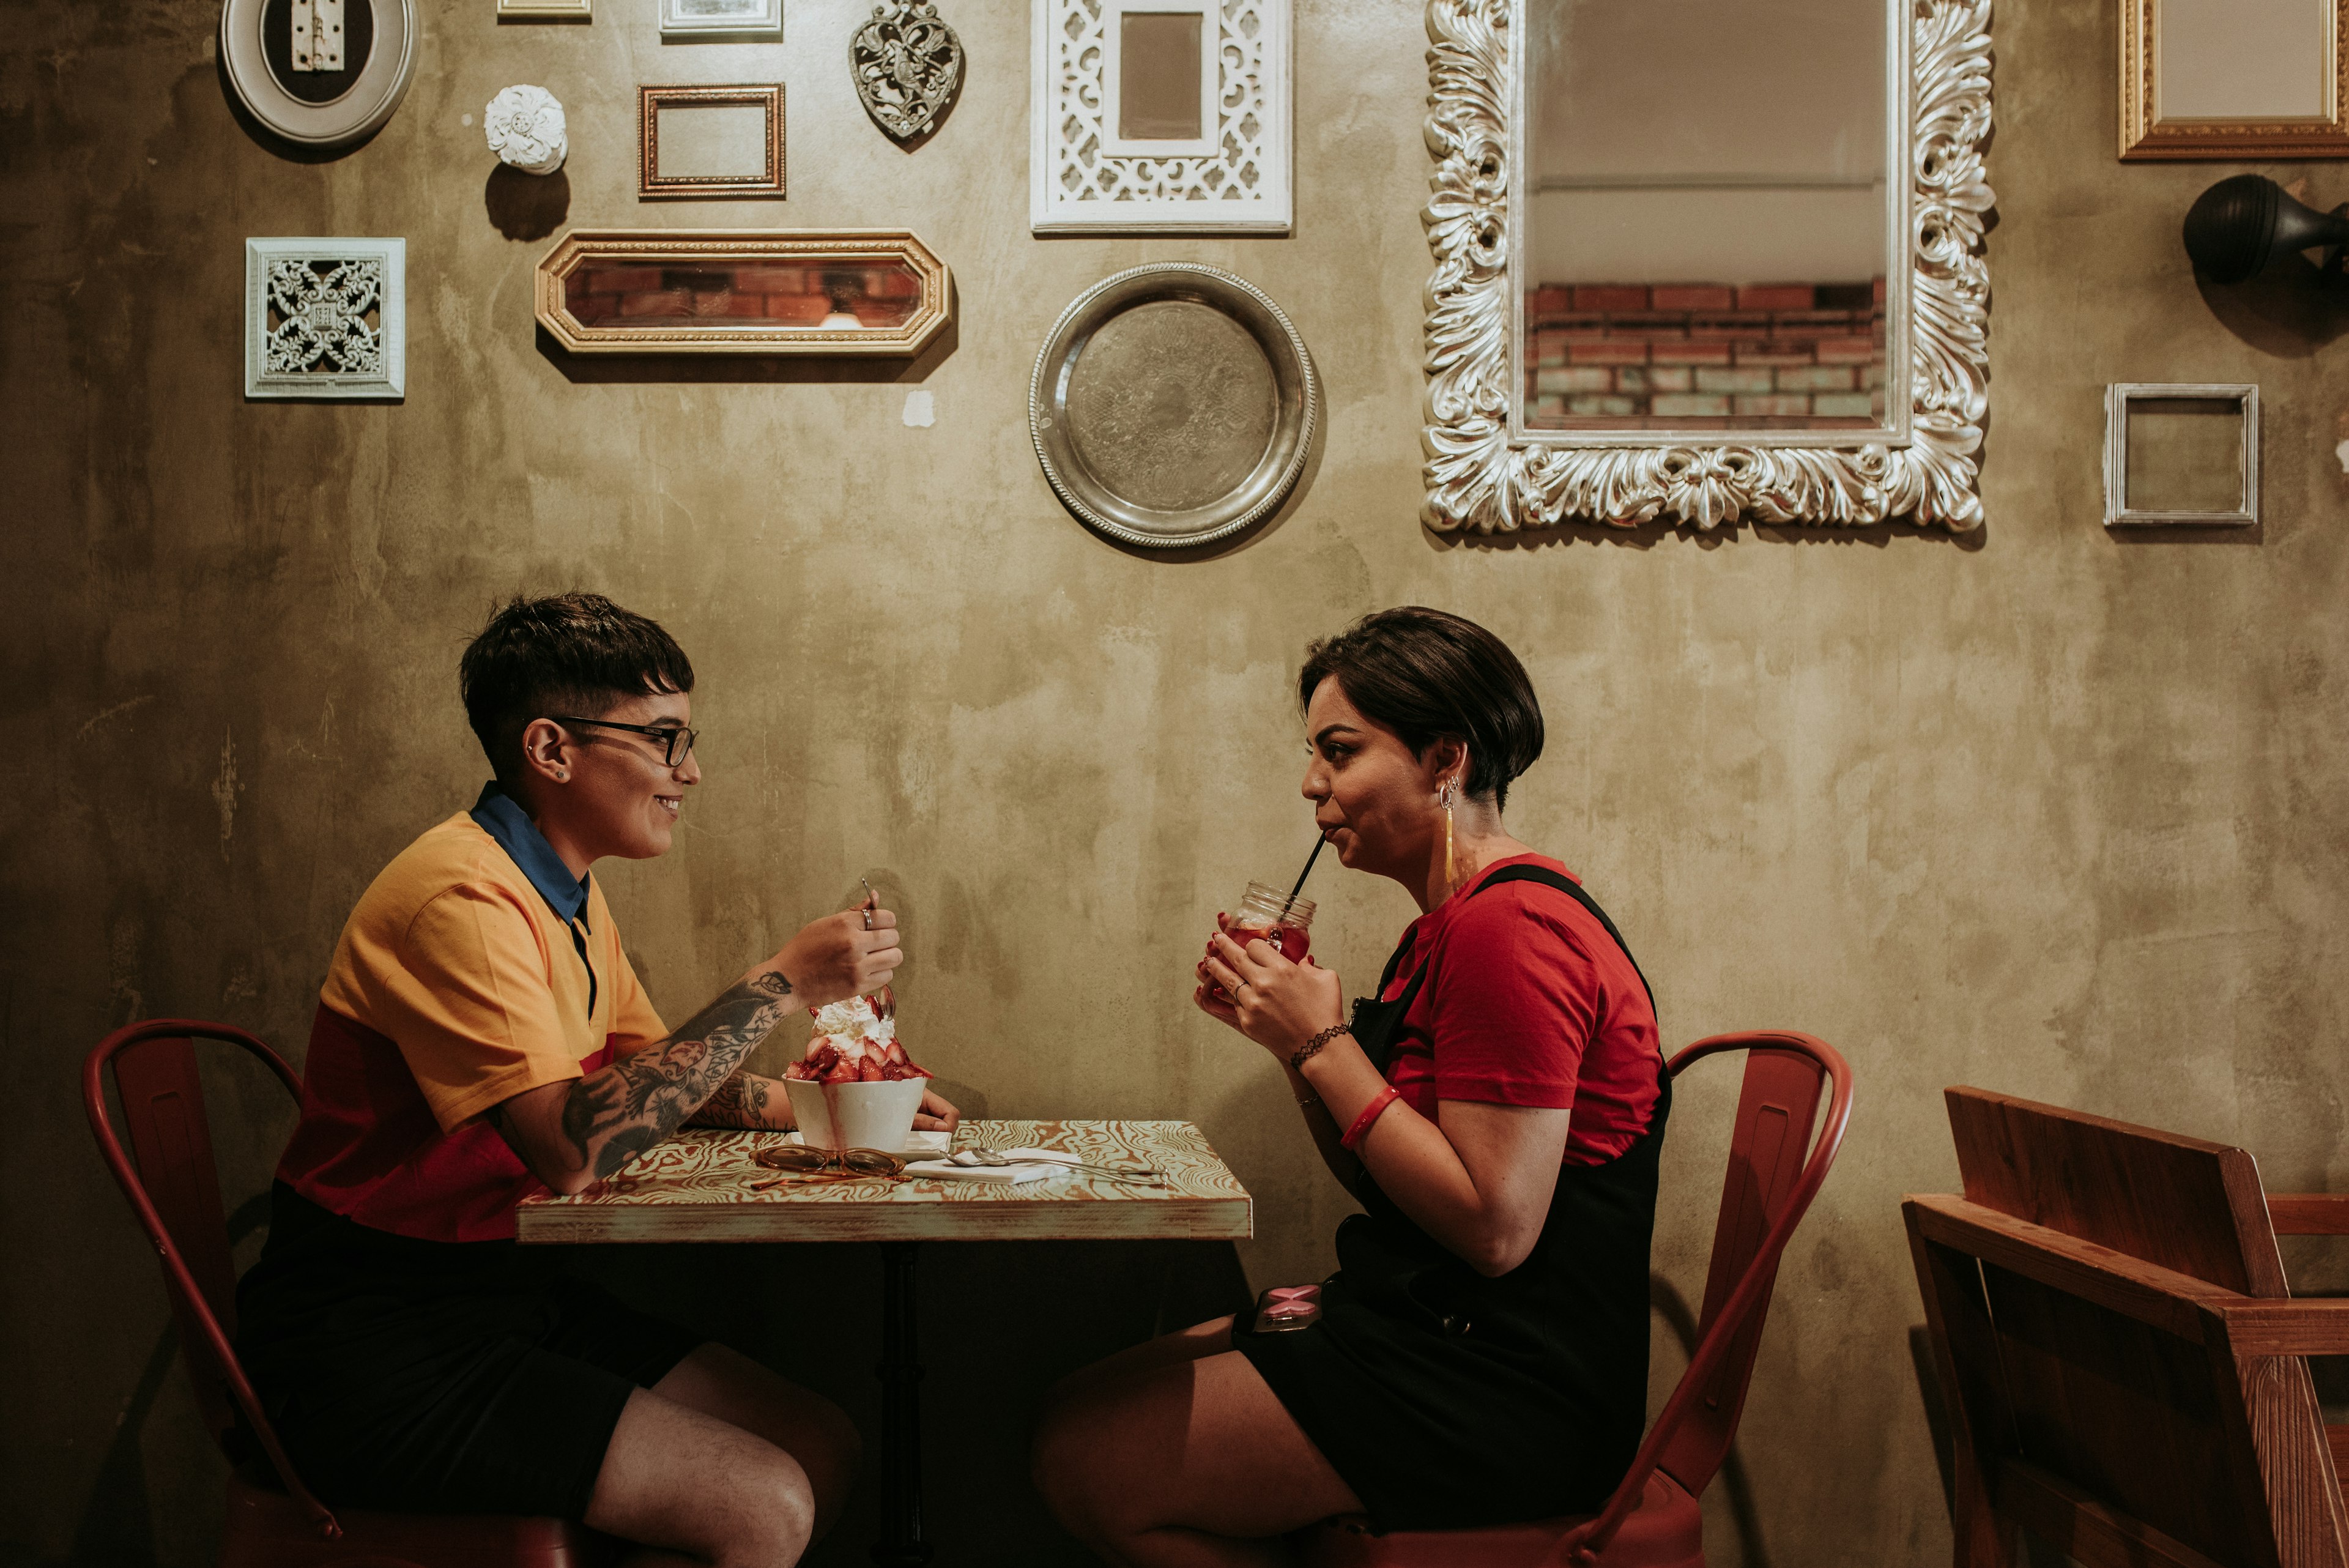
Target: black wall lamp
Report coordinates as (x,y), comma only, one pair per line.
(2237,227)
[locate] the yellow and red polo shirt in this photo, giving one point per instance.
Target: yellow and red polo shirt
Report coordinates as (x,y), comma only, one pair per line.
(474,967)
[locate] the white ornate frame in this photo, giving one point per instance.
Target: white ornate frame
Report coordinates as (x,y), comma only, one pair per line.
(1072,115)
(1485,472)
(387,380)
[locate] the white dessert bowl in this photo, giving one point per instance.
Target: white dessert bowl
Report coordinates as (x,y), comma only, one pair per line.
(856,1116)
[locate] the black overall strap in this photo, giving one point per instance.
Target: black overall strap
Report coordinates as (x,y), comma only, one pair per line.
(1572,890)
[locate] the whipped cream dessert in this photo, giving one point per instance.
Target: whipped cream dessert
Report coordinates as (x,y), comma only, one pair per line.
(852,1043)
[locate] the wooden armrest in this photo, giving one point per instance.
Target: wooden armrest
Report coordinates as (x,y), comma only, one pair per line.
(2337,1439)
(2309,1213)
(2160,1298)
(2288,1327)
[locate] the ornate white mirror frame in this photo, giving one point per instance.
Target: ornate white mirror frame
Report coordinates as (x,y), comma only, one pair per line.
(1486,472)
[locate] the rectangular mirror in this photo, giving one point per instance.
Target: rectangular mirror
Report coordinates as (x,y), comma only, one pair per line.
(2233,78)
(843,291)
(1706,260)
(1688,263)
(1159,74)
(703,141)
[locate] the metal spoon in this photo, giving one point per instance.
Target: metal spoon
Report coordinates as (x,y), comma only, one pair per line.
(988,1156)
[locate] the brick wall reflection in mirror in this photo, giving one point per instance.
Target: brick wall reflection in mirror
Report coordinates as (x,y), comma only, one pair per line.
(602,293)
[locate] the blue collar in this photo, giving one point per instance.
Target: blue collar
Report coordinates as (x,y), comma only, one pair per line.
(503,819)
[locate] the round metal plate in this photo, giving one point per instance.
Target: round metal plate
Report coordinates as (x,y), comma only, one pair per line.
(353,115)
(1173,405)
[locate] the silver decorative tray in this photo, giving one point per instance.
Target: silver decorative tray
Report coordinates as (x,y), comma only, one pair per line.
(1173,405)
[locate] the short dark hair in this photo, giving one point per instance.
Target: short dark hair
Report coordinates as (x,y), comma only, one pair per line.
(569,653)
(1428,675)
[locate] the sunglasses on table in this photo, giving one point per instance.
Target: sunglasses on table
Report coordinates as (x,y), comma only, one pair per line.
(676,741)
(800,1163)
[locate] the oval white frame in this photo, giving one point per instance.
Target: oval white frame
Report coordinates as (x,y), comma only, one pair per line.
(357,114)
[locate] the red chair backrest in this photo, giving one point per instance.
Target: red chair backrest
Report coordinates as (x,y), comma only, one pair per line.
(1768,1187)
(174,1190)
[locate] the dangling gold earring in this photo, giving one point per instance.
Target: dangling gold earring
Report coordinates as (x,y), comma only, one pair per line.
(1445,796)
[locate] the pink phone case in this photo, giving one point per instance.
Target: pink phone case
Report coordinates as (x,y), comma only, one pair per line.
(1285,1307)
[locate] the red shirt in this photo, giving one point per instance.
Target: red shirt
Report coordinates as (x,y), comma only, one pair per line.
(1527,1002)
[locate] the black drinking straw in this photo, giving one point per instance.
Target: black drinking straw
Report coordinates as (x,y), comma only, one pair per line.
(1309,859)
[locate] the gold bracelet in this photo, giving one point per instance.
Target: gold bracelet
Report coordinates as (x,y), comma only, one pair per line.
(1308,1101)
(1312,1047)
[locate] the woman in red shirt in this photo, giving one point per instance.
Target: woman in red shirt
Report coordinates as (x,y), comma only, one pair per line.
(1497,1107)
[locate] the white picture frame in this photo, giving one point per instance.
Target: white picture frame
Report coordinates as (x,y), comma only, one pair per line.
(311,339)
(1084,178)
(721,18)
(2118,396)
(546,10)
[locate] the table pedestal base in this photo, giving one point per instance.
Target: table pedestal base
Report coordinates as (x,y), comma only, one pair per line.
(901,1544)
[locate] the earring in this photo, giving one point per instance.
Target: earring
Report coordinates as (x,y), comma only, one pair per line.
(563,778)
(1444,796)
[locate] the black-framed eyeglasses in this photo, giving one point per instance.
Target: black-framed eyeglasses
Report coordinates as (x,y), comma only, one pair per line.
(676,741)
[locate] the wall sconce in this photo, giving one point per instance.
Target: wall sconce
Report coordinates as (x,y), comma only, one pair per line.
(2240,224)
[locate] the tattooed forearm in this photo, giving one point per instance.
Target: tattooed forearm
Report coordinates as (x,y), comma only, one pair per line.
(612,1116)
(744,1100)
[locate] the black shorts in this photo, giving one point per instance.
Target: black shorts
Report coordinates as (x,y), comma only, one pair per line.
(439,1377)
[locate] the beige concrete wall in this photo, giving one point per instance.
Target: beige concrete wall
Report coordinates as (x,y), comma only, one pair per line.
(2037,809)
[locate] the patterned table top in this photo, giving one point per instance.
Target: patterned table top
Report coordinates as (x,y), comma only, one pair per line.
(696,1188)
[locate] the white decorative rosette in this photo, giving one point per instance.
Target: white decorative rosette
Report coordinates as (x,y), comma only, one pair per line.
(525,128)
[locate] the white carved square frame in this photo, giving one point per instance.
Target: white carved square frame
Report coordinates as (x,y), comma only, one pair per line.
(369,274)
(1485,472)
(1082,180)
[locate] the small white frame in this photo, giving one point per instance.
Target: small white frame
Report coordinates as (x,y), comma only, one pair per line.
(765,19)
(546,10)
(388,380)
(1084,179)
(2117,399)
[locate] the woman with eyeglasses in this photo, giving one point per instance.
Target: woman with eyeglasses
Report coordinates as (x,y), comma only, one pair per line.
(480,1037)
(1497,1106)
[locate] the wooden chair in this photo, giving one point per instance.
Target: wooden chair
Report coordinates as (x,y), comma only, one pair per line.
(2123,1362)
(274,1521)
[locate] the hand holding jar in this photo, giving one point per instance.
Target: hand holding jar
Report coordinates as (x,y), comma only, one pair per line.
(1257,978)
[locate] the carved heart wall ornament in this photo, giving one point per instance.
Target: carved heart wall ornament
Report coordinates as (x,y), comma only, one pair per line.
(908,65)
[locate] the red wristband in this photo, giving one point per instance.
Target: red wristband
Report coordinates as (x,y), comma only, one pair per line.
(1371,1113)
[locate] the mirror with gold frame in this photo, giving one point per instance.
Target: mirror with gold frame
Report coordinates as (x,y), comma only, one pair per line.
(831,292)
(2234,79)
(1706,261)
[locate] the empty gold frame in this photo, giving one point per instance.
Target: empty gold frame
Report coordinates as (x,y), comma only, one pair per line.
(2234,79)
(867,292)
(707,154)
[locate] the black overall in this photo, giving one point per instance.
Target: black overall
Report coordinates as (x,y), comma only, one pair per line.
(1447,1399)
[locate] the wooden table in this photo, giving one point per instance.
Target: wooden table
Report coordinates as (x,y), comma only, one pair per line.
(697,1188)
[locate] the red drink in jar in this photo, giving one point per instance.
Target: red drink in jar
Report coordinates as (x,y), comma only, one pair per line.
(1265,914)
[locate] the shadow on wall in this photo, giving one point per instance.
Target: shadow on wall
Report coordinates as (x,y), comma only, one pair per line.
(2290,310)
(526,206)
(116,1529)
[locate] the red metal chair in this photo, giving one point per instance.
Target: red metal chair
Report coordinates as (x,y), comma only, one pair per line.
(1653,1519)
(274,1521)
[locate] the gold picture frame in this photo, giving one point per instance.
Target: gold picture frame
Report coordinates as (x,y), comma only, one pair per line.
(654,186)
(863,293)
(2149,134)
